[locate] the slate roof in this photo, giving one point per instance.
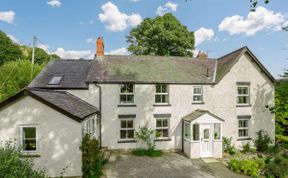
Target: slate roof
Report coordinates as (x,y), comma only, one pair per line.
(61,101)
(151,69)
(140,69)
(73,72)
(197,113)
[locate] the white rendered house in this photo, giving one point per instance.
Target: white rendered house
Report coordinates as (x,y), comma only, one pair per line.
(191,103)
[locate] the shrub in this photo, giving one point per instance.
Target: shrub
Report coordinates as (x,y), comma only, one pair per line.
(228,148)
(249,167)
(145,152)
(145,134)
(12,164)
(277,168)
(246,148)
(273,149)
(92,159)
(263,141)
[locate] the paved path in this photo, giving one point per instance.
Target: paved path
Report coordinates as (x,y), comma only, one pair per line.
(170,165)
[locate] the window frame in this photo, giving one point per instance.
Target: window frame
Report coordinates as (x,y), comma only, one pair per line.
(90,127)
(187,125)
(22,139)
(162,127)
(162,94)
(192,135)
(197,94)
(55,76)
(243,95)
(243,128)
(126,129)
(127,94)
(220,132)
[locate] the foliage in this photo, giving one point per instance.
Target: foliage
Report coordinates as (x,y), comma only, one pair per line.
(274,149)
(92,159)
(277,167)
(145,134)
(14,76)
(40,56)
(13,165)
(8,50)
(249,167)
(281,110)
(246,148)
(161,36)
(254,4)
(147,152)
(228,148)
(263,141)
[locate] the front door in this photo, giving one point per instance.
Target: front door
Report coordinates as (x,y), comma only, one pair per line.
(206,140)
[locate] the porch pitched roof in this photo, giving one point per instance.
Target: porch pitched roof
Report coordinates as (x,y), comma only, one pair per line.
(198,113)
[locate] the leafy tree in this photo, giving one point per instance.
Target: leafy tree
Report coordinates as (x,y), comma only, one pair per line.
(14,76)
(8,50)
(161,36)
(40,56)
(281,109)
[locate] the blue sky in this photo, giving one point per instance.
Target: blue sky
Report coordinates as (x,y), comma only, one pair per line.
(69,27)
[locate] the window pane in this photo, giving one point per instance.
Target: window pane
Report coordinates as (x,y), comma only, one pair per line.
(130,133)
(29,145)
(158,88)
(242,99)
(164,89)
(206,133)
(242,90)
(157,98)
(197,98)
(158,123)
(122,98)
(130,124)
(123,124)
(29,132)
(164,98)
(196,132)
(55,81)
(187,130)
(165,132)
(197,90)
(130,88)
(165,123)
(122,134)
(217,131)
(159,133)
(130,98)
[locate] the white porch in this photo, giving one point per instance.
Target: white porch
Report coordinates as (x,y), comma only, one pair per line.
(202,135)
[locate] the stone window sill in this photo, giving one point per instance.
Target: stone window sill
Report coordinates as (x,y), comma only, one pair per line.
(194,103)
(127,141)
(164,139)
(244,105)
(127,105)
(30,155)
(159,105)
(242,139)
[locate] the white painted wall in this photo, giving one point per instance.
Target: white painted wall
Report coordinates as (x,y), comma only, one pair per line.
(59,135)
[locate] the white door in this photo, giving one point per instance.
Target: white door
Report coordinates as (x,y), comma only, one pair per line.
(206,140)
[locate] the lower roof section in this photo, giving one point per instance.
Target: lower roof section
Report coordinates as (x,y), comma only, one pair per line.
(61,101)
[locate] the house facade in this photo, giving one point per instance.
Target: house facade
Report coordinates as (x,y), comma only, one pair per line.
(190,103)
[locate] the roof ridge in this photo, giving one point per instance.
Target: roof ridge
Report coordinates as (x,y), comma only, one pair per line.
(240,49)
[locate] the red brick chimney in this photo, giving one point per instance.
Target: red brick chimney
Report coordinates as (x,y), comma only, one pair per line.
(99,47)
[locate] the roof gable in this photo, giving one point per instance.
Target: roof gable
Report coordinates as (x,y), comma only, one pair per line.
(226,62)
(195,115)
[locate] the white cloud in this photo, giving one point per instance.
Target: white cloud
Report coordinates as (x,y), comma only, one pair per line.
(14,39)
(54,3)
(120,51)
(115,20)
(90,40)
(134,0)
(7,16)
(45,47)
(91,22)
(203,34)
(73,54)
(168,7)
(256,21)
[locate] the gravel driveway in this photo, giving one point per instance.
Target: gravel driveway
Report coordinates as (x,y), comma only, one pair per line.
(169,165)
